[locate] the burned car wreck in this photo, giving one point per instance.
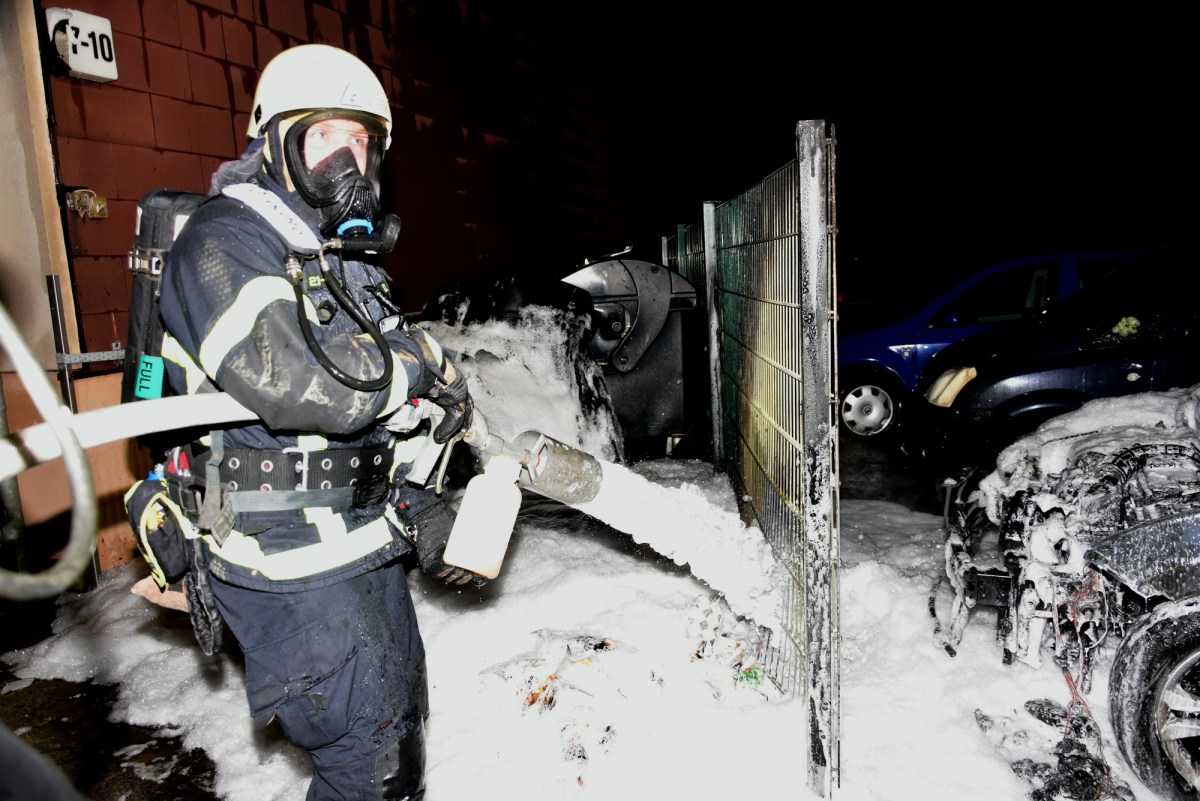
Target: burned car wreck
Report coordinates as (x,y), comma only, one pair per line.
(1085,541)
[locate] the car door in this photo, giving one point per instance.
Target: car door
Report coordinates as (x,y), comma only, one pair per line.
(1175,340)
(1139,348)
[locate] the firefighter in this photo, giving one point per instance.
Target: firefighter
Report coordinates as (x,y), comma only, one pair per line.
(299,521)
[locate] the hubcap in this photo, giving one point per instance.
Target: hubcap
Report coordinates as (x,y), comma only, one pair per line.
(867,410)
(1176,707)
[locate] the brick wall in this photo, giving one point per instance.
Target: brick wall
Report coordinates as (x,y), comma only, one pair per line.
(492,166)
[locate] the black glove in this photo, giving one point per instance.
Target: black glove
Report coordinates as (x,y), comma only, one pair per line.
(455,398)
(429,525)
(207,623)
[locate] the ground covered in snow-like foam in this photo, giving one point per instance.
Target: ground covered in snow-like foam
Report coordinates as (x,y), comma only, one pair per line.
(589,665)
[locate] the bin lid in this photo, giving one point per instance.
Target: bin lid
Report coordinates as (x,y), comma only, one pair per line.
(645,292)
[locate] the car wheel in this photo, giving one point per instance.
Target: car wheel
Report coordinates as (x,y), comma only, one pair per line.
(869,407)
(1154,699)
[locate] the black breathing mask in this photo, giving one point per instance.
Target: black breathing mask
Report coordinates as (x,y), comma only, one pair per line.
(351,205)
(347,199)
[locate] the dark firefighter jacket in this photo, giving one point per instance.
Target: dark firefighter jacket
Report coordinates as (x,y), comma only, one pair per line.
(230,313)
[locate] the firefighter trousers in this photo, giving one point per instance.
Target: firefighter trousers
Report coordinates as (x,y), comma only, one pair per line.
(342,668)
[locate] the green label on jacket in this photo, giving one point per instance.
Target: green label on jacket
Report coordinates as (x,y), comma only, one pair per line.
(149,382)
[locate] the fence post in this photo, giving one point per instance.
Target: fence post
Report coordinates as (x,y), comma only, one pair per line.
(714,328)
(819,521)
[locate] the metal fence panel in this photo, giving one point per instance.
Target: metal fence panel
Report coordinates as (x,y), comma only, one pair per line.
(765,261)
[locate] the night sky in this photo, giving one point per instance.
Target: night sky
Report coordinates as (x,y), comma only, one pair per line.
(949,149)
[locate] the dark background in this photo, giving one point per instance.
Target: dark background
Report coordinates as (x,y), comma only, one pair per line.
(956,145)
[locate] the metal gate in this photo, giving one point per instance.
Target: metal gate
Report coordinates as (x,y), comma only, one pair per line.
(765,261)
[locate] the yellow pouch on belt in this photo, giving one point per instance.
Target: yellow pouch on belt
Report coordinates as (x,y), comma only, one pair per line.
(161,530)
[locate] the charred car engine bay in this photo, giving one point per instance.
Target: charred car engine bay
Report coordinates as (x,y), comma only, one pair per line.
(1086,541)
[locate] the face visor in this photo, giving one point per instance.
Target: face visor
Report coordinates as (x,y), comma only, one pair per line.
(347,198)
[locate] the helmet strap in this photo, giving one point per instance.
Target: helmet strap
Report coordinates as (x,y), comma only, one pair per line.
(274,161)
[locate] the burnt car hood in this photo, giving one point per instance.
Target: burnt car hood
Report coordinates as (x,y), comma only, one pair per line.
(1158,559)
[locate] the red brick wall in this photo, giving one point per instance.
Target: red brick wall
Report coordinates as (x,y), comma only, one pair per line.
(484,169)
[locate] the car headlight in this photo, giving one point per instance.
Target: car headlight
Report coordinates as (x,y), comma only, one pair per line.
(947,386)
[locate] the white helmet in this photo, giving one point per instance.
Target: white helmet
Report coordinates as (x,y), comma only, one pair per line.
(316,76)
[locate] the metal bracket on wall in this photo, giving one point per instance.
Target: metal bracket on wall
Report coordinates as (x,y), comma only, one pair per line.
(94,356)
(87,204)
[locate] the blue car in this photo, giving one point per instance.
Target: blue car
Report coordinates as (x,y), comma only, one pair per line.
(878,367)
(1112,338)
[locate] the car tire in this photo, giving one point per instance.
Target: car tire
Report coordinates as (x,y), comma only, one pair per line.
(870,406)
(1154,683)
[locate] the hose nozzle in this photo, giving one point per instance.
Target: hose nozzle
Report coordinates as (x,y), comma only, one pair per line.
(557,470)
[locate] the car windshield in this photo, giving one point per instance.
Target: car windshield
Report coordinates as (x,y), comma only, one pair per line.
(899,287)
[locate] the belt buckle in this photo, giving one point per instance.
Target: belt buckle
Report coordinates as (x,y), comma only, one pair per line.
(303,485)
(370,490)
(191,500)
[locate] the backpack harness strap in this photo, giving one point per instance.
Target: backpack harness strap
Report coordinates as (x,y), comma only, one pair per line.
(272,208)
(215,516)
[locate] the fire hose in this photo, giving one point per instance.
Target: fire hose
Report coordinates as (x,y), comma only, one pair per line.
(68,435)
(531,460)
(83,522)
